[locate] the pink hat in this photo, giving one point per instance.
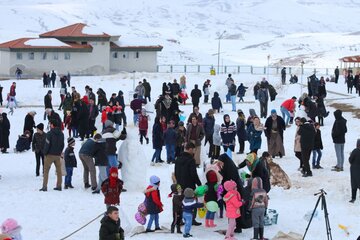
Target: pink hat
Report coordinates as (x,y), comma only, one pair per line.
(230,185)
(9,225)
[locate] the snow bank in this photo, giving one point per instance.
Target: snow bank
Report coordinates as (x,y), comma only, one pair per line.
(46,42)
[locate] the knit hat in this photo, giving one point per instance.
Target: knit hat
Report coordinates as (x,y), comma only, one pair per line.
(273,111)
(40,126)
(49,92)
(9,225)
(174,189)
(230,185)
(108,123)
(189,193)
(112,179)
(181,124)
(70,141)
(154,180)
(211,177)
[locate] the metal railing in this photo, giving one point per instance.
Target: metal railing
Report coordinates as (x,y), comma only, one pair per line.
(242,69)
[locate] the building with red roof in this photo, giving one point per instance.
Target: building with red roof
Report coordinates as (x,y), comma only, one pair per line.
(79,49)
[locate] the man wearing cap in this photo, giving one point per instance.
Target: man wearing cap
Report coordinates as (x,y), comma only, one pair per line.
(54,145)
(274,132)
(47,102)
(29,124)
(287,108)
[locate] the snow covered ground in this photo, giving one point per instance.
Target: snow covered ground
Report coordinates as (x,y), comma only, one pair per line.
(53,215)
(318,32)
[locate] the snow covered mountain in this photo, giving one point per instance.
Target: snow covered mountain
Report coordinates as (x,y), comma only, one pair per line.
(316,31)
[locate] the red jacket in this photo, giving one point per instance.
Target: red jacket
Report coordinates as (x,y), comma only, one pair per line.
(289,104)
(153,202)
(143,122)
(112,195)
(12,91)
(103,116)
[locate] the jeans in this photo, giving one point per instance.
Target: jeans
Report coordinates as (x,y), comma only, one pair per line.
(113,162)
(228,97)
(188,218)
(170,151)
(156,155)
(117,126)
(102,176)
(284,113)
(75,132)
(339,150)
(319,154)
(136,118)
(152,218)
(69,173)
(233,102)
(210,215)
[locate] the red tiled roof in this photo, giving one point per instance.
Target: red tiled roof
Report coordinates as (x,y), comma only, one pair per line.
(20,44)
(350,59)
(75,30)
(114,46)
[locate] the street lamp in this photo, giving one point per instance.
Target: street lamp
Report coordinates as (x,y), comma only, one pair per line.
(220,37)
(302,73)
(268,62)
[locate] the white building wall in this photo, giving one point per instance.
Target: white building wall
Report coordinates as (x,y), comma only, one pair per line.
(5,63)
(128,62)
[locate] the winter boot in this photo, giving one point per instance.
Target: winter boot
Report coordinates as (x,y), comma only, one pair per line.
(147,140)
(141,141)
(256,233)
(211,223)
(66,186)
(178,229)
(207,223)
(172,229)
(261,233)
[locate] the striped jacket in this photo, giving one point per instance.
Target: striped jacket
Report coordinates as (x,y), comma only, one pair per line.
(228,133)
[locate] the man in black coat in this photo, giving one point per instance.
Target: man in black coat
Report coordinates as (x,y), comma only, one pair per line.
(147,88)
(4,132)
(195,96)
(338,135)
(53,78)
(283,75)
(53,148)
(307,133)
(354,160)
(110,225)
(47,102)
(185,172)
(29,123)
(337,73)
(175,88)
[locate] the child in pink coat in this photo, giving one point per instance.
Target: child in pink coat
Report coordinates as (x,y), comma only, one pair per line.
(233,203)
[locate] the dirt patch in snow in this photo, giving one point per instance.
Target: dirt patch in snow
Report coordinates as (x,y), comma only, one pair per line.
(346,108)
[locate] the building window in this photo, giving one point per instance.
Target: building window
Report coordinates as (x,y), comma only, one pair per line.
(137,54)
(115,55)
(31,56)
(44,56)
(56,56)
(67,56)
(94,43)
(19,56)
(125,55)
(83,43)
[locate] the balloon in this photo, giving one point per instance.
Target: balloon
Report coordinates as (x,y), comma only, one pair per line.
(202,212)
(140,218)
(212,206)
(182,118)
(201,190)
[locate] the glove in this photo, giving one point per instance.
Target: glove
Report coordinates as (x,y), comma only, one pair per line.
(117,236)
(120,165)
(123,131)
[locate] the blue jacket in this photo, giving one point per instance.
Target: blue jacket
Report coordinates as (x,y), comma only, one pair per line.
(88,148)
(170,136)
(254,137)
(208,124)
(240,129)
(189,204)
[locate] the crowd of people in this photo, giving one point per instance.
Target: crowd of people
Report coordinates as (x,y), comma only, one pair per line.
(245,203)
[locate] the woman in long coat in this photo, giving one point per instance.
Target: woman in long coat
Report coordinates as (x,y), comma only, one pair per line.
(274,131)
(4,132)
(354,160)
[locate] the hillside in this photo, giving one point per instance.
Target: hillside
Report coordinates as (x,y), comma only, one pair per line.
(319,31)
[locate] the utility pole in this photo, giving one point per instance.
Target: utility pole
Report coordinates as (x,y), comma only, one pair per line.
(218,65)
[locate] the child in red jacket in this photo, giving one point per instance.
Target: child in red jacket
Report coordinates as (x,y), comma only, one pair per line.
(153,203)
(111,188)
(67,122)
(143,126)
